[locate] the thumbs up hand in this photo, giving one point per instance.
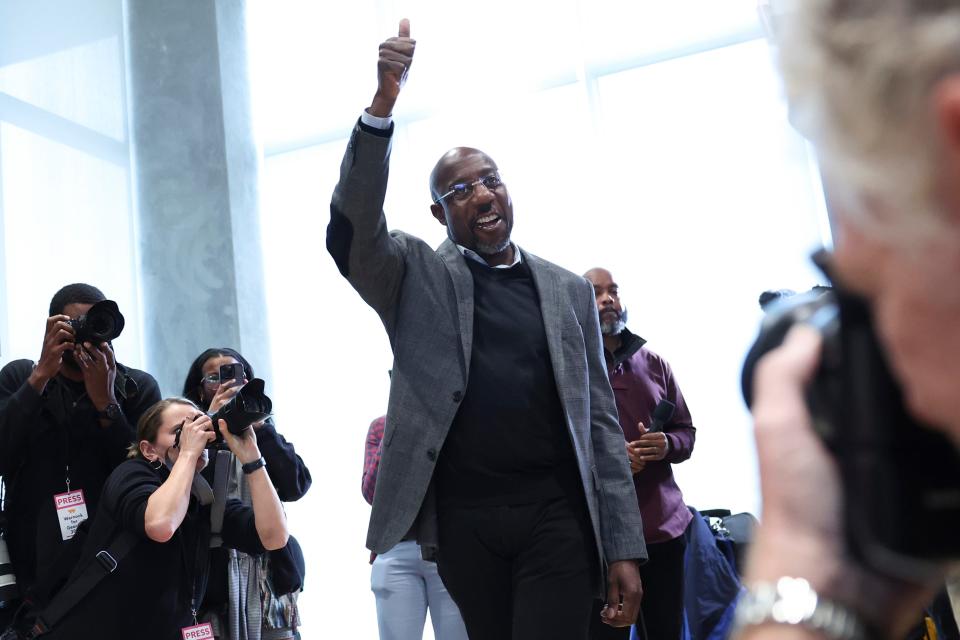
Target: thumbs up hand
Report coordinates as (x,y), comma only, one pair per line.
(396,56)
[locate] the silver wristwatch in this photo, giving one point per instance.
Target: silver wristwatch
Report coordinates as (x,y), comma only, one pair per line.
(792,601)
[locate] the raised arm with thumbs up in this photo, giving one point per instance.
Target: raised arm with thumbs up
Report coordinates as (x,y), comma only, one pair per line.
(396,56)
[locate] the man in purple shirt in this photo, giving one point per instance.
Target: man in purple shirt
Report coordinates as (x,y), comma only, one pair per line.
(640,380)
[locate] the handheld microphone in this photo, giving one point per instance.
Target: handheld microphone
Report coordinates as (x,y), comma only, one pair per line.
(661,415)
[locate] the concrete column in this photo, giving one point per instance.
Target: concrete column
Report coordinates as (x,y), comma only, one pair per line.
(195,177)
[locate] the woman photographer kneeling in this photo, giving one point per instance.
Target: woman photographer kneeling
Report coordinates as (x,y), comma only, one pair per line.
(160,498)
(249,597)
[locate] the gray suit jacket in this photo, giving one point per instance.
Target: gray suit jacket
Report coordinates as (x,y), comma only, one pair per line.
(425,300)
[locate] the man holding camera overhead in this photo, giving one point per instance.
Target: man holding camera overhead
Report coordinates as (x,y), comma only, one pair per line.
(65,423)
(502,450)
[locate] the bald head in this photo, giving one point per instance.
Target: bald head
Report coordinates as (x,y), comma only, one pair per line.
(445,171)
(598,273)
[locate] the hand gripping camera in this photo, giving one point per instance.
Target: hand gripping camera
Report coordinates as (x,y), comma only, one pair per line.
(901,479)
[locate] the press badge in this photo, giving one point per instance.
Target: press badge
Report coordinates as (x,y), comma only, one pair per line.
(197,632)
(71,511)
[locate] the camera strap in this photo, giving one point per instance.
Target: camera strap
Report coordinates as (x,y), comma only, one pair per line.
(222,466)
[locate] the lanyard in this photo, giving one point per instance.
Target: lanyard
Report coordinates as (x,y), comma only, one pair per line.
(199,573)
(69,404)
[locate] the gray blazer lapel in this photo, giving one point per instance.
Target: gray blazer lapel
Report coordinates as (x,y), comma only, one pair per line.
(548,287)
(463,286)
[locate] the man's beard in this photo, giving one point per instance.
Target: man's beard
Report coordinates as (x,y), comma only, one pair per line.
(492,249)
(614,327)
(482,248)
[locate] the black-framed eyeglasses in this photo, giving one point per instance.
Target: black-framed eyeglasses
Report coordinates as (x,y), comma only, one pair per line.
(463,190)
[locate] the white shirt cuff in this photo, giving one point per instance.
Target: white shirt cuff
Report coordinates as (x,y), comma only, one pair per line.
(375,121)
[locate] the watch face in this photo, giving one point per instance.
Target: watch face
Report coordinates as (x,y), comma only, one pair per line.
(113,411)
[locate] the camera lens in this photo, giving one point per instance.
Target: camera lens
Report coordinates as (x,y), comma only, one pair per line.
(8,581)
(250,405)
(103,322)
(101,328)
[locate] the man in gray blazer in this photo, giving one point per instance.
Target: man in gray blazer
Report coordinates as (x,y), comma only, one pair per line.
(502,451)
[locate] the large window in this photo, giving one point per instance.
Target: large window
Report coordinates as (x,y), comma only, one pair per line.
(65,203)
(646,137)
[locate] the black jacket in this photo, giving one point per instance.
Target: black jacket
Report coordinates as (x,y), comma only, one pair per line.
(290,477)
(40,435)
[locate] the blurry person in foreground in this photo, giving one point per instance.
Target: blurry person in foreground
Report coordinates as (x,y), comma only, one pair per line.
(875,85)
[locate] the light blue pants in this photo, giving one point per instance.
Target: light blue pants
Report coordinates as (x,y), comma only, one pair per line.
(405,586)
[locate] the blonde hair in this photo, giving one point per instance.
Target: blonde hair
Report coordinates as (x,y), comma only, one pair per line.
(149,424)
(859,76)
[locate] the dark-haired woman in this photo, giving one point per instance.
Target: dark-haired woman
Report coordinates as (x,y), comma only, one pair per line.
(158,497)
(245,600)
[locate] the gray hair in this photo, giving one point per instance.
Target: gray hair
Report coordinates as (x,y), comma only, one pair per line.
(859,76)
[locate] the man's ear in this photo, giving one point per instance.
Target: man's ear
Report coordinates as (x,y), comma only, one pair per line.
(946,105)
(438,213)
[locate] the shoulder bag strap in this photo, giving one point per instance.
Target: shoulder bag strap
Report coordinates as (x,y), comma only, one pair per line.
(70,596)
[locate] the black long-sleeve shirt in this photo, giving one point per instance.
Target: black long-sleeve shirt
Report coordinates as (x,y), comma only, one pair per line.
(290,477)
(289,474)
(40,434)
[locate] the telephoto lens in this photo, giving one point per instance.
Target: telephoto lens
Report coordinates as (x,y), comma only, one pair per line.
(8,581)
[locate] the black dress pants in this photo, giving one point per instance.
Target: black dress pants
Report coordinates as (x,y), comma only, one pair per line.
(662,604)
(526,572)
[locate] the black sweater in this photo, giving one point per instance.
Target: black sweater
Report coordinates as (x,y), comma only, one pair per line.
(508,443)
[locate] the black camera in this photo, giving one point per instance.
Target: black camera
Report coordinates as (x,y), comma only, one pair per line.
(901,479)
(249,406)
(102,323)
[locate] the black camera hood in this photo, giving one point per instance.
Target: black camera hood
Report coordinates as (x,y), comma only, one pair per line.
(250,405)
(102,323)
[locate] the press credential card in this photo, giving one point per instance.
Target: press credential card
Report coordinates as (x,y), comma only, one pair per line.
(71,511)
(198,632)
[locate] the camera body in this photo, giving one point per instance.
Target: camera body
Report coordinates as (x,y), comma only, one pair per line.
(901,479)
(102,323)
(250,405)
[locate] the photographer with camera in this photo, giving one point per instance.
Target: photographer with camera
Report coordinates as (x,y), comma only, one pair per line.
(159,500)
(65,423)
(875,85)
(238,590)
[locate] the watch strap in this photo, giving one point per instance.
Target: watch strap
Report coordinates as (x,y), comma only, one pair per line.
(250,467)
(111,412)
